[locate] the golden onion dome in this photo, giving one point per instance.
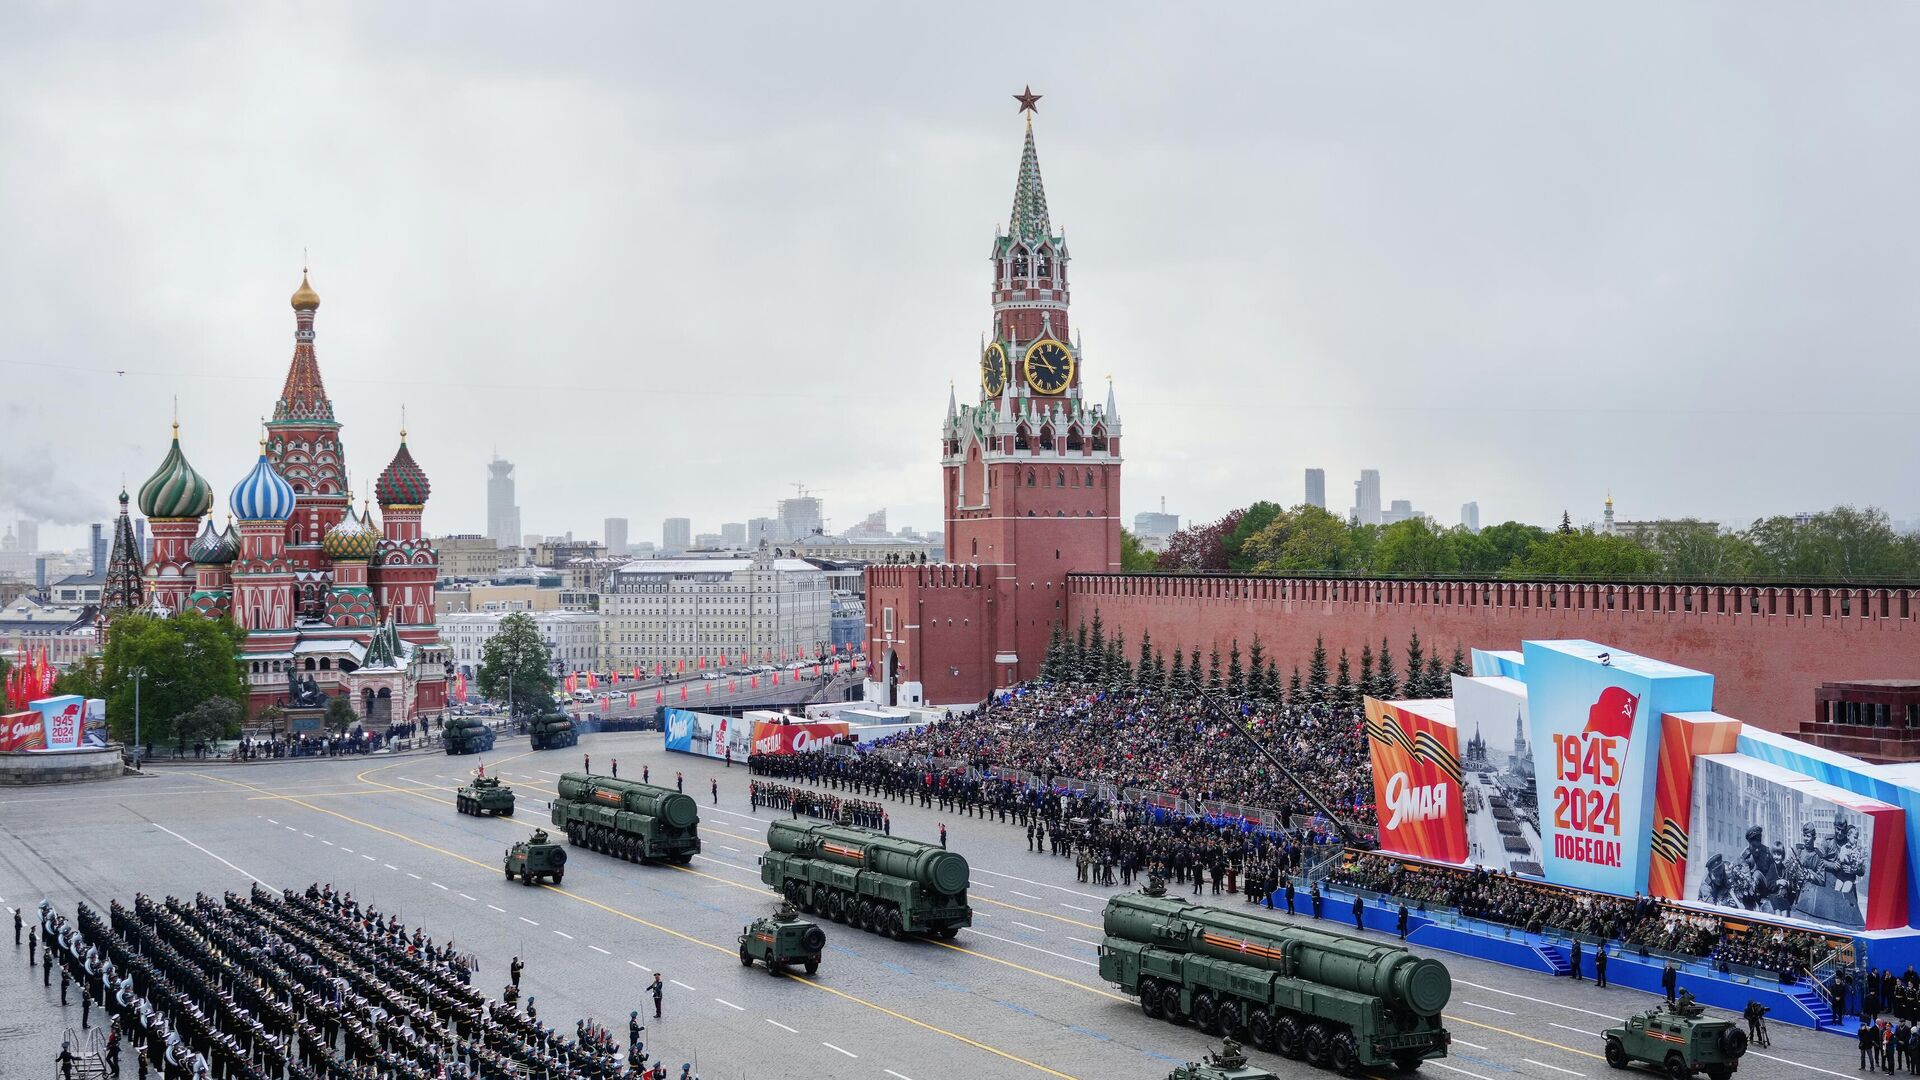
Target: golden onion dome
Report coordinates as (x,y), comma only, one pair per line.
(304,298)
(353,538)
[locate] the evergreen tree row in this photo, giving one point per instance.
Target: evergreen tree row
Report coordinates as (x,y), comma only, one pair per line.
(1092,657)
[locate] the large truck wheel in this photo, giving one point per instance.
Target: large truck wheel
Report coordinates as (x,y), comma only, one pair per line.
(745,959)
(1206,1015)
(1150,999)
(559,876)
(1343,1054)
(813,964)
(1286,1037)
(1260,1028)
(1616,1053)
(509,873)
(1314,1044)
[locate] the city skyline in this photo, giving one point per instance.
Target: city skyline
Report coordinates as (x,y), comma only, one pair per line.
(1482,385)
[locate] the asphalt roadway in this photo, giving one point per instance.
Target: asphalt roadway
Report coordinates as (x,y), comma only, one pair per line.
(1018,995)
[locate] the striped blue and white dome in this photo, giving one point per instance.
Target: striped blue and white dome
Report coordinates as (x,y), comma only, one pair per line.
(262,495)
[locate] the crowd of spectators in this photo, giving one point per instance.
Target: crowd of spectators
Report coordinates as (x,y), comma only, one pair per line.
(1538,907)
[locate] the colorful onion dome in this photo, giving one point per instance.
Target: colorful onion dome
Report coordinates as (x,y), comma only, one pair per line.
(175,490)
(262,495)
(403,483)
(304,298)
(214,548)
(353,538)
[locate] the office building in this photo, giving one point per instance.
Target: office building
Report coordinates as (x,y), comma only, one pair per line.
(616,536)
(468,557)
(1153,530)
(733,534)
(874,524)
(1317,488)
(98,546)
(503,514)
(676,534)
(762,528)
(1366,498)
(27,535)
(707,541)
(667,610)
(1399,510)
(1470,516)
(800,517)
(573,637)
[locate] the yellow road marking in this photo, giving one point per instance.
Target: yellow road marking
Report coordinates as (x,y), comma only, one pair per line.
(1517,1035)
(876,1007)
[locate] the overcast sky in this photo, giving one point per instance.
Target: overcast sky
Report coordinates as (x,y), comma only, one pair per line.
(671,260)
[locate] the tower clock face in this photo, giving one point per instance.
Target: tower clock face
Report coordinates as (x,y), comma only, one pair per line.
(994,370)
(1049,366)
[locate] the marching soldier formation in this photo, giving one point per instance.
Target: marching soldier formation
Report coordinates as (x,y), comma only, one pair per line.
(311,986)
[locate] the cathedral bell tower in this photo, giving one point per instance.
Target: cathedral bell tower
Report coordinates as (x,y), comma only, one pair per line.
(1031,469)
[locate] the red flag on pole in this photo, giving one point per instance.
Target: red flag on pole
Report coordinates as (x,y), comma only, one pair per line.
(709,689)
(683,691)
(633,701)
(755,682)
(659,696)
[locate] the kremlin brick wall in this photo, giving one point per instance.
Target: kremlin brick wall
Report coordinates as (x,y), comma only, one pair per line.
(1768,648)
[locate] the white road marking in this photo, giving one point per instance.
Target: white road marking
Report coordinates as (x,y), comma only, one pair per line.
(639,965)
(1785,1061)
(389,866)
(782,1026)
(348,850)
(1462,1072)
(1463,1042)
(1076,907)
(369,858)
(207,853)
(681,985)
(986,884)
(1564,1027)
(735,850)
(1530,997)
(899,1076)
(729,1004)
(329,843)
(1028,895)
(270,821)
(1095,945)
(501,910)
(1039,884)
(1489,1008)
(441,887)
(830,1046)
(599,950)
(289,828)
(464,896)
(414,876)
(1029,926)
(528,921)
(564,934)
(1555,1068)
(544,772)
(1063,956)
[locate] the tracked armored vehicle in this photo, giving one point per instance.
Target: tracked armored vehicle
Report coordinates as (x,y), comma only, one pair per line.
(888,885)
(627,819)
(485,795)
(1226,1063)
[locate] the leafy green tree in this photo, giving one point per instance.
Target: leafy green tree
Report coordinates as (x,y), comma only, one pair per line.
(214,719)
(188,660)
(1845,542)
(1317,673)
(516,657)
(1414,546)
(85,677)
(1305,539)
(1585,553)
(340,714)
(1236,675)
(1690,549)
(1135,559)
(1566,523)
(1251,521)
(1387,685)
(1499,545)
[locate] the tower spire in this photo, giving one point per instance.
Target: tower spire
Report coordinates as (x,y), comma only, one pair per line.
(304,395)
(1029,219)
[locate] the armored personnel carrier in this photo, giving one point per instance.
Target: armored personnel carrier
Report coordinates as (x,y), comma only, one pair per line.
(1226,1063)
(534,858)
(485,795)
(467,735)
(1679,1040)
(551,732)
(781,939)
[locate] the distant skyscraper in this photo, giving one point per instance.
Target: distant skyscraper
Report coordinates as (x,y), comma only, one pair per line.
(99,548)
(1317,488)
(1366,498)
(800,517)
(1400,510)
(733,534)
(1159,526)
(140,538)
(28,533)
(676,534)
(503,514)
(1470,516)
(616,530)
(761,528)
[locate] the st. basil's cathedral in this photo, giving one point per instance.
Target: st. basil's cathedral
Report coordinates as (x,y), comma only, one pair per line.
(333,603)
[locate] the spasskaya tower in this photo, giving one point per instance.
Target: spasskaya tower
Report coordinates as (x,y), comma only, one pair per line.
(1030,485)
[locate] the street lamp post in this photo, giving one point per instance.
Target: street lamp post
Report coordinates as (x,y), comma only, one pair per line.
(138,673)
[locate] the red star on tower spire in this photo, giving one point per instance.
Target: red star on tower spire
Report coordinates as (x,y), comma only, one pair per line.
(1029,101)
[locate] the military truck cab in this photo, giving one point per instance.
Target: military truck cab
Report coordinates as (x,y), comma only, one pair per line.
(1677,1039)
(534,858)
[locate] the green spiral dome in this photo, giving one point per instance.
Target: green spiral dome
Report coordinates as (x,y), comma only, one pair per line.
(175,490)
